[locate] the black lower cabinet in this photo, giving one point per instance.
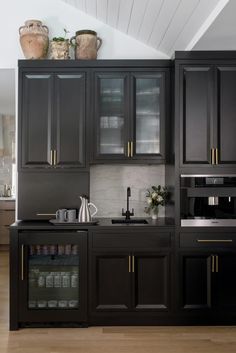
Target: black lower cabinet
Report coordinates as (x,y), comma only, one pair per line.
(207,287)
(51,282)
(129,282)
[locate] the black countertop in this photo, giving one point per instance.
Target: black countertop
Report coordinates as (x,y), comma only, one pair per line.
(102,223)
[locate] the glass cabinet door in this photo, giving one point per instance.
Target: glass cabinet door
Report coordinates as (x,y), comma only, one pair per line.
(111,115)
(149,113)
(53,276)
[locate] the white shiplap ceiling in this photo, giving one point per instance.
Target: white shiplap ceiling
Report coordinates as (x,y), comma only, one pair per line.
(166,25)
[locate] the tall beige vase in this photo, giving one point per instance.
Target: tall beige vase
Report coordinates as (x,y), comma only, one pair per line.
(34,39)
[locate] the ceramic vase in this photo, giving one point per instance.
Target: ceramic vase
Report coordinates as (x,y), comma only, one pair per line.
(59,50)
(34,39)
(86,44)
(154,213)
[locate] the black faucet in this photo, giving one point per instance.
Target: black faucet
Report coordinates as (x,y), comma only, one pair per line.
(127,213)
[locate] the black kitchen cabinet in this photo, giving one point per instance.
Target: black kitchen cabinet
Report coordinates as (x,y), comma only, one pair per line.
(52,277)
(206,265)
(130,116)
(130,273)
(52,113)
(196,281)
(205,106)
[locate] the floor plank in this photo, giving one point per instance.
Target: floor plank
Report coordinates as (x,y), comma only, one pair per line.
(109,339)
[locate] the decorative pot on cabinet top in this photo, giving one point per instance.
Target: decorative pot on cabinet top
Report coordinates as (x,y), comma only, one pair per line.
(34,39)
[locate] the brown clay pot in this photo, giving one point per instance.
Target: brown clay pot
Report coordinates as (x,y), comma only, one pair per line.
(34,39)
(86,44)
(59,50)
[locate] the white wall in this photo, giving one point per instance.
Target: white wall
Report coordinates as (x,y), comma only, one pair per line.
(58,15)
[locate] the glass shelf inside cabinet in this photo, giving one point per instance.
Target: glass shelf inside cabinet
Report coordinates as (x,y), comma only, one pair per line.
(53,277)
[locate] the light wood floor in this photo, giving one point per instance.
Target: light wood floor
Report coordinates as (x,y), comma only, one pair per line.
(109,339)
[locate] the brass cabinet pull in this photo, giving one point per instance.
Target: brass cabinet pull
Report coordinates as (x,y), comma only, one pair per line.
(216,156)
(217,263)
(213,156)
(51,157)
(128,149)
(133,264)
(129,263)
(214,240)
(22,262)
(54,157)
(212,263)
(131,149)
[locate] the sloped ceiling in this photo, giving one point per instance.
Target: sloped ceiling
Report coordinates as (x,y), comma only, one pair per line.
(165,25)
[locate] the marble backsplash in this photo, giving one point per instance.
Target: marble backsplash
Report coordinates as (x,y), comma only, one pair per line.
(108,184)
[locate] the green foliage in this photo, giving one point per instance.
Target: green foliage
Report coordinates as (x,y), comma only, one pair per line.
(156,196)
(61,39)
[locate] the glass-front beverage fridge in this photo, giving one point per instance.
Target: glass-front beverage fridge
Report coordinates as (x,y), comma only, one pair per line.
(52,279)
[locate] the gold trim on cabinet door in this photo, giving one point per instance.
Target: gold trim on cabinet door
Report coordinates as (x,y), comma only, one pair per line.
(217,263)
(212,263)
(213,156)
(216,156)
(22,262)
(128,149)
(129,263)
(51,157)
(131,149)
(133,264)
(55,157)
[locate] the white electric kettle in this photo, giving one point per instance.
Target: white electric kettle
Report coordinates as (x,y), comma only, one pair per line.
(84,211)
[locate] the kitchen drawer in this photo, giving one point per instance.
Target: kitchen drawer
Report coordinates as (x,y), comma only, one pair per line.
(7,217)
(4,235)
(207,240)
(7,205)
(134,239)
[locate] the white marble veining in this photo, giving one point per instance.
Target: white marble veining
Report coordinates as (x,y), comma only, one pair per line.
(108,184)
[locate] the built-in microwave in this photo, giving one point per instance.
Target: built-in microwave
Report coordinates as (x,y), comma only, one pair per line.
(208,200)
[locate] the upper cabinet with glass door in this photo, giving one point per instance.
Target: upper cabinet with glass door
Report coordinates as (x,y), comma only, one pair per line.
(130,116)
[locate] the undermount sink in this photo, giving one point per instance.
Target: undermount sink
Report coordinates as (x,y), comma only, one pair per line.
(129,221)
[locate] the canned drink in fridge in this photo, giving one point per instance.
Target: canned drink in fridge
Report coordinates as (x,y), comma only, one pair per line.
(74,280)
(61,250)
(41,281)
(66,281)
(74,249)
(49,281)
(38,249)
(68,249)
(52,249)
(57,281)
(45,250)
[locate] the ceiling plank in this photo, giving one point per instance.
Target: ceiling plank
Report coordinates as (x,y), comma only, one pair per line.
(124,15)
(139,8)
(204,10)
(164,20)
(149,18)
(113,12)
(91,7)
(80,4)
(102,10)
(181,17)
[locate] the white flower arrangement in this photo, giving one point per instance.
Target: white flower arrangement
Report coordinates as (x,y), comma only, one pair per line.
(156,196)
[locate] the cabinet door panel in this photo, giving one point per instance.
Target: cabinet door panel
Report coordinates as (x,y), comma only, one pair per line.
(111,115)
(197,114)
(70,119)
(36,120)
(152,281)
(195,286)
(149,115)
(224,292)
(111,284)
(226,115)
